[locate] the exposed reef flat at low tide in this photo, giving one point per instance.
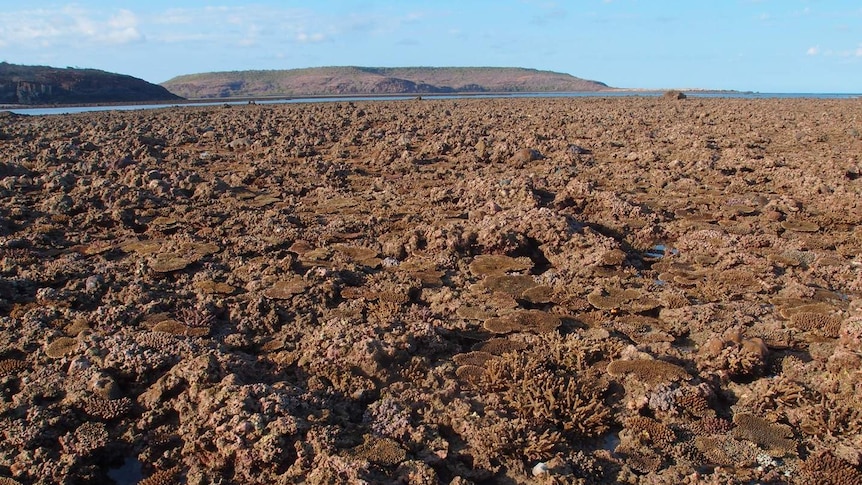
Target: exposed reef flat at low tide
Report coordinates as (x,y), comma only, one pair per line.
(593,290)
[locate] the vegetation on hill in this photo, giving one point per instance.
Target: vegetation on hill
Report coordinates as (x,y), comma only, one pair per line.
(375,80)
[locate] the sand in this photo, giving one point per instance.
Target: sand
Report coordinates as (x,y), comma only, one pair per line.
(636,290)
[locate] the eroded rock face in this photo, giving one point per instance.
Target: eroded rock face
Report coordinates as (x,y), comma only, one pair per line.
(433,291)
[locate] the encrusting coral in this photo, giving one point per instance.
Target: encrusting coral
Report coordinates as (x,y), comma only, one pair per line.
(647,370)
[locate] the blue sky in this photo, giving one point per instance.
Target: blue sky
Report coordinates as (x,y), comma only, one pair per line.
(757,45)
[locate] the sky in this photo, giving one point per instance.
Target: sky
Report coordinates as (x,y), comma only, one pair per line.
(811,46)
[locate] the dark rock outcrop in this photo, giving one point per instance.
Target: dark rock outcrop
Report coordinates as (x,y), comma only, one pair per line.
(31,85)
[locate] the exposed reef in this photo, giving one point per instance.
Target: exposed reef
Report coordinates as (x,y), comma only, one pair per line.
(638,290)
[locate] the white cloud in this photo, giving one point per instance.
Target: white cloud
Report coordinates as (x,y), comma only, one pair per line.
(813,51)
(237,26)
(69,26)
(859,51)
(306,38)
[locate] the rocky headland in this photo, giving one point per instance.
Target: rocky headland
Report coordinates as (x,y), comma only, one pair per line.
(41,85)
(320,81)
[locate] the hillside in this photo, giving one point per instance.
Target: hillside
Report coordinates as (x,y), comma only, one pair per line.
(368,80)
(33,85)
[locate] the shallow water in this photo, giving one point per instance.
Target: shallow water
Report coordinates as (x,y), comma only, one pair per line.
(589,94)
(129,473)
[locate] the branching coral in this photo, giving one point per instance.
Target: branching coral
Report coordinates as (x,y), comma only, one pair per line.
(824,467)
(11,366)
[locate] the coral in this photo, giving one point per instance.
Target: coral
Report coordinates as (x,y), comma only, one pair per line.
(174,327)
(196,318)
(652,431)
(724,450)
(774,438)
(711,425)
(381,451)
(11,366)
(513,285)
(87,438)
(733,355)
(162,477)
(612,299)
(416,472)
(106,409)
(469,373)
(500,346)
(850,334)
(800,226)
(501,326)
(538,294)
(212,287)
(476,357)
(61,347)
(827,325)
(285,289)
(532,392)
(523,321)
(496,264)
(824,467)
(168,263)
(648,370)
(337,309)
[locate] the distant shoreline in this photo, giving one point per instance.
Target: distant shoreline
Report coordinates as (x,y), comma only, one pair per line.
(717,93)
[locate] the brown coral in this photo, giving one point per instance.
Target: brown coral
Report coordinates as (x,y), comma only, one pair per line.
(285,289)
(106,409)
(11,366)
(174,327)
(169,262)
(382,451)
(61,347)
(476,357)
(535,321)
(733,355)
(774,438)
(800,226)
(500,346)
(612,299)
(647,370)
(498,264)
(162,477)
(827,325)
(711,425)
(824,467)
(512,285)
(86,439)
(470,373)
(652,431)
(211,287)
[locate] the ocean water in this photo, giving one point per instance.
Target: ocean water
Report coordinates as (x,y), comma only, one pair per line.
(590,94)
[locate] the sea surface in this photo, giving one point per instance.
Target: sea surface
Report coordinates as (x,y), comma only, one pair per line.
(589,94)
